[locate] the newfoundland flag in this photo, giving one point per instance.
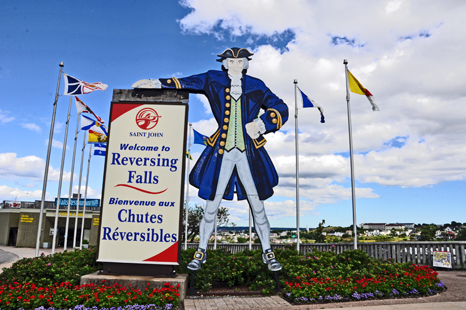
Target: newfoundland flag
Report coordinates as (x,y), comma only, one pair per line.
(73,86)
(100,149)
(306,102)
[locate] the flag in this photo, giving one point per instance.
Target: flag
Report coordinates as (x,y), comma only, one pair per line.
(100,149)
(73,86)
(81,107)
(88,123)
(199,138)
(306,102)
(188,155)
(96,137)
(357,88)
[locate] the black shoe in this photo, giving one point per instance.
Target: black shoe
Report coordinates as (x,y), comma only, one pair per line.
(199,258)
(268,257)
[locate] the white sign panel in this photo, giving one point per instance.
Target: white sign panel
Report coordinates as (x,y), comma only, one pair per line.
(442,259)
(143,184)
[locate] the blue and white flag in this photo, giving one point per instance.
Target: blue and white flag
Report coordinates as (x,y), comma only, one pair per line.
(88,123)
(100,149)
(73,86)
(306,102)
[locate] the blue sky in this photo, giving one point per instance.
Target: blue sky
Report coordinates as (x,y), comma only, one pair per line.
(409,156)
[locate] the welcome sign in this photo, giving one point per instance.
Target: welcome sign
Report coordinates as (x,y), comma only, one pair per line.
(143,184)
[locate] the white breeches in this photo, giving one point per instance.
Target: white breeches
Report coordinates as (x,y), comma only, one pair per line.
(237,159)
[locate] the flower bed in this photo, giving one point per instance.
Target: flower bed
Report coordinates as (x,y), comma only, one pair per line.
(52,282)
(67,296)
(37,283)
(415,281)
(322,276)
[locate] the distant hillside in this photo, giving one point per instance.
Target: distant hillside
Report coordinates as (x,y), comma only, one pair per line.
(246,228)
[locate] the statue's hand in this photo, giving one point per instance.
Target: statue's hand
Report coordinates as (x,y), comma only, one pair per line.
(252,130)
(151,83)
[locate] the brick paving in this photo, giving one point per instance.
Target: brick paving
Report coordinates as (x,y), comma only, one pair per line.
(227,303)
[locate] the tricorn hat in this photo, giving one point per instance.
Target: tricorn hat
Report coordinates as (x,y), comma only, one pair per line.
(235,52)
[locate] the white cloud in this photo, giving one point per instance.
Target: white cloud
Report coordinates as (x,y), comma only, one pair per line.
(31,126)
(10,193)
(5,118)
(12,167)
(55,144)
(90,192)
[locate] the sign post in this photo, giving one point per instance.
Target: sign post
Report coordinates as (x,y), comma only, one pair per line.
(142,197)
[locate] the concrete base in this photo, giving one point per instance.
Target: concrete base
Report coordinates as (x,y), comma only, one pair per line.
(139,282)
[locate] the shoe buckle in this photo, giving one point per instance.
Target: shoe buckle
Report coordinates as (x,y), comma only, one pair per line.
(196,256)
(270,256)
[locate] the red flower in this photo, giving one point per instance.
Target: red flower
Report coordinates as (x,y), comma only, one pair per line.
(298,277)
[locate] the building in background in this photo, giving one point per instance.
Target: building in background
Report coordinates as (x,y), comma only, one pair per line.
(19,223)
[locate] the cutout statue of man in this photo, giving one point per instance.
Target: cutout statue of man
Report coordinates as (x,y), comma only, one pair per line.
(235,159)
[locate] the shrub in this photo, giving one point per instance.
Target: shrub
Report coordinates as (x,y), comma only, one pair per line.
(67,266)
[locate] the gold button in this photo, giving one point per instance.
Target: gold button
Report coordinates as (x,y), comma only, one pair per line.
(274,121)
(227,90)
(227,112)
(224,135)
(228,97)
(227,105)
(226,120)
(169,81)
(222,143)
(272,114)
(220,151)
(225,127)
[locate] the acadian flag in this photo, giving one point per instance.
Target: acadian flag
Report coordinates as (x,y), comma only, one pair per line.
(306,102)
(199,138)
(81,107)
(357,88)
(73,86)
(100,149)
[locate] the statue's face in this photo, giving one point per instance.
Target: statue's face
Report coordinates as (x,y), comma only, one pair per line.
(235,65)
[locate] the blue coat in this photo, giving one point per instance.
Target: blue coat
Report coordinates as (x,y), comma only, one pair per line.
(216,86)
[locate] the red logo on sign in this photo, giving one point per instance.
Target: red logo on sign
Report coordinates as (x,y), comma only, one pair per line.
(147,118)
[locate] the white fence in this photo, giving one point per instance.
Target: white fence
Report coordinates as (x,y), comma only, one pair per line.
(418,252)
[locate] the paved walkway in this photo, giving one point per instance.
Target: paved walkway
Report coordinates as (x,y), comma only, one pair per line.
(454,298)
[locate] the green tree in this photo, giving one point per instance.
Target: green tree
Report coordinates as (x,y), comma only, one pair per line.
(462,234)
(318,236)
(242,240)
(195,215)
(428,232)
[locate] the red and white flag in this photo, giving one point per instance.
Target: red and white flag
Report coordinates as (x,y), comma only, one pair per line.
(81,107)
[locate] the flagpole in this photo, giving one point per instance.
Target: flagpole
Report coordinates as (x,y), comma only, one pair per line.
(250,229)
(79,192)
(353,191)
(215,234)
(297,161)
(85,197)
(187,190)
(57,207)
(47,162)
(70,193)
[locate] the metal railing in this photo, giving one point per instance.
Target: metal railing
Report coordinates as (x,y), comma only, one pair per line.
(418,252)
